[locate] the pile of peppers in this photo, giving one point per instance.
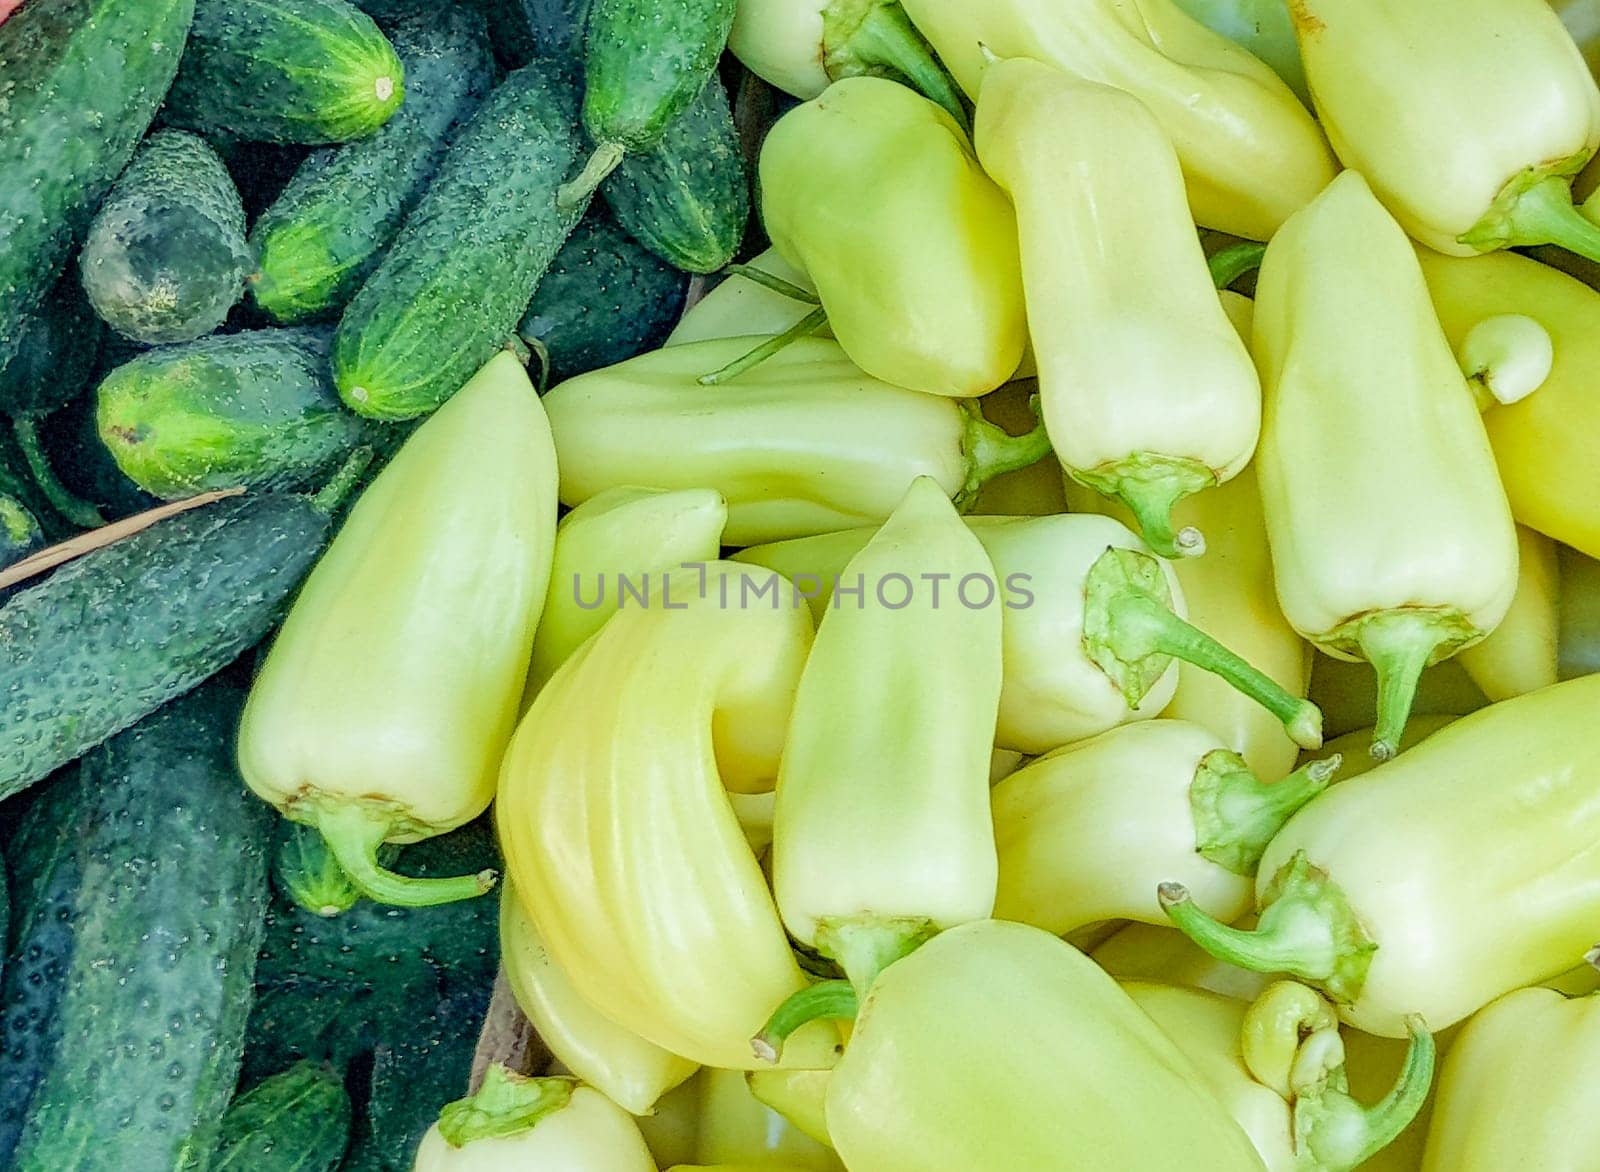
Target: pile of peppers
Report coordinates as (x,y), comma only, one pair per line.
(988,694)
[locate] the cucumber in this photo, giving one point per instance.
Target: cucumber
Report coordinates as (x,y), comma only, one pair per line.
(17,483)
(253,409)
(329,228)
(20,535)
(166,256)
(508,32)
(302,1022)
(167,855)
(297,1121)
(604,299)
(687,199)
(56,354)
(305,871)
(645,62)
(85,468)
(82,80)
(556,26)
(454,284)
(285,71)
(113,635)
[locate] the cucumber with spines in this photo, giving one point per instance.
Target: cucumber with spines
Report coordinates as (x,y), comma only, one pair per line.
(296,1121)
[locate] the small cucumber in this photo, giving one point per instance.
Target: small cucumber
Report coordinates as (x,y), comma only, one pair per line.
(154,935)
(80,81)
(644,63)
(255,409)
(113,635)
(327,231)
(687,199)
(456,281)
(166,256)
(56,354)
(306,71)
(604,299)
(297,1121)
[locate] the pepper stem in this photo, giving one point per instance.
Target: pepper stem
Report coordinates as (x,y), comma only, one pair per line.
(833,1000)
(1306,928)
(1132,634)
(506,1104)
(770,281)
(863,946)
(1400,644)
(354,832)
(1334,1132)
(74,508)
(1536,208)
(886,37)
(1276,1026)
(1233,262)
(1151,485)
(1236,813)
(993,451)
(1506,358)
(602,161)
(807,325)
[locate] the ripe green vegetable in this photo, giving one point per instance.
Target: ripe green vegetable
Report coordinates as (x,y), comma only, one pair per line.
(297,1121)
(306,71)
(166,256)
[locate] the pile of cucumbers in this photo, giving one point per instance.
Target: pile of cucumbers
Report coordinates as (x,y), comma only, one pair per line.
(242,243)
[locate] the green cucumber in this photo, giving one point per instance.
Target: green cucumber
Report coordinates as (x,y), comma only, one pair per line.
(327,231)
(456,280)
(84,467)
(166,256)
(20,535)
(113,635)
(305,71)
(557,26)
(17,482)
(687,199)
(298,1022)
(508,32)
(56,354)
(297,1121)
(168,858)
(604,299)
(81,81)
(644,63)
(304,869)
(254,409)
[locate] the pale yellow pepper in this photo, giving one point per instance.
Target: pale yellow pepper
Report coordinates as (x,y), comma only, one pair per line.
(736,1128)
(1520,655)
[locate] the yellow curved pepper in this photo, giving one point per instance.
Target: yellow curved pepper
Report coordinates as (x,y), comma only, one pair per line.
(1517,1090)
(800,1096)
(1520,655)
(616,828)
(882,835)
(388,696)
(874,192)
(1364,400)
(1545,444)
(1251,153)
(1147,391)
(804,443)
(622,533)
(628,1070)
(1468,117)
(1086,833)
(737,1129)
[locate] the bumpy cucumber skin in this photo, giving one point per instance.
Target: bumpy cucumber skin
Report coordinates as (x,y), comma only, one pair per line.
(297,1121)
(645,62)
(166,256)
(285,71)
(82,80)
(254,409)
(557,26)
(329,228)
(56,354)
(113,635)
(604,299)
(456,280)
(687,199)
(165,923)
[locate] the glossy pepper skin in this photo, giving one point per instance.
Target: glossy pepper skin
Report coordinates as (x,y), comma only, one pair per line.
(390,692)
(738,1130)
(1520,656)
(996,1045)
(1251,153)
(1264,27)
(1517,1089)
(1500,111)
(1147,391)
(615,822)
(874,192)
(1383,889)
(804,443)
(1363,398)
(1543,445)
(882,834)
(628,1070)
(1086,833)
